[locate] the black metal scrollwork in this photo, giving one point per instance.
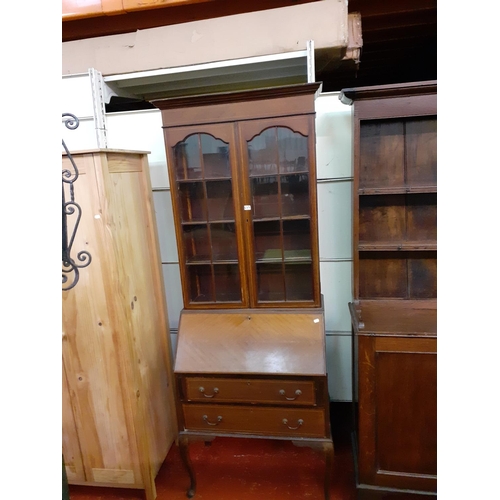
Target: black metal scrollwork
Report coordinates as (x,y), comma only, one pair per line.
(70,268)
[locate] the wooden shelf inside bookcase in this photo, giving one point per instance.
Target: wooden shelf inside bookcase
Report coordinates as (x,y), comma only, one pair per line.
(205,222)
(397,190)
(395,246)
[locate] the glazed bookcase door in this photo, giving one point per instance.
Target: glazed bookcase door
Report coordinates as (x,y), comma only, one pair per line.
(202,171)
(280,211)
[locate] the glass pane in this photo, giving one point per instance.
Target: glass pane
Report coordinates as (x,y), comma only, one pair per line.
(224,242)
(196,243)
(297,239)
(292,151)
(270,282)
(295,194)
(265,197)
(227,283)
(298,282)
(263,153)
(192,201)
(200,283)
(220,200)
(187,158)
(267,240)
(215,157)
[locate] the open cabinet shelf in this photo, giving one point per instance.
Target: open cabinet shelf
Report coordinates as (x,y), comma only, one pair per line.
(395,285)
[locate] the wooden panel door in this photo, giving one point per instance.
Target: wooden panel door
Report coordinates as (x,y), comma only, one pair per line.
(397,412)
(147,357)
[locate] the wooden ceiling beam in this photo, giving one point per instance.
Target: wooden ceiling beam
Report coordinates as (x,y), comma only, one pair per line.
(79,29)
(420,18)
(383,7)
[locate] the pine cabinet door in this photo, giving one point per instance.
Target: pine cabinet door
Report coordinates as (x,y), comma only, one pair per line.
(95,357)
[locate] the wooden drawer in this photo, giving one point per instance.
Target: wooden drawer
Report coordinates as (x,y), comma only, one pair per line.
(300,422)
(291,392)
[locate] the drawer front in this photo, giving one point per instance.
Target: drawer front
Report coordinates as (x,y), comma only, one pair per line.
(250,390)
(300,422)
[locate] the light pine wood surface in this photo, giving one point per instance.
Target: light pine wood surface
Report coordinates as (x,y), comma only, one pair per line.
(116,349)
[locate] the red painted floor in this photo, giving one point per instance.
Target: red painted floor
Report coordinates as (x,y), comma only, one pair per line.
(246,469)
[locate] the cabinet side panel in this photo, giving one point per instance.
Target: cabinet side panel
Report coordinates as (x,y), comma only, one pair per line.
(92,324)
(140,285)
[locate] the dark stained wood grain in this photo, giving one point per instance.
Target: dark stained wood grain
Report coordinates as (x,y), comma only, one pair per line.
(382,218)
(406,403)
(383,275)
(395,286)
(421,217)
(392,91)
(395,317)
(397,405)
(421,151)
(422,275)
(381,154)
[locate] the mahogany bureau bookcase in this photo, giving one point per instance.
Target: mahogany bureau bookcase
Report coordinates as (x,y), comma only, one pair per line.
(250,355)
(395,288)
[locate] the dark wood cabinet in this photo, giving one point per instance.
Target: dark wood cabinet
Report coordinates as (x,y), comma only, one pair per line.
(243,179)
(395,285)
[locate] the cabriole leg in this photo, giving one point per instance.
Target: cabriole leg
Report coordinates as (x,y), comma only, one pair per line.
(328,449)
(184,451)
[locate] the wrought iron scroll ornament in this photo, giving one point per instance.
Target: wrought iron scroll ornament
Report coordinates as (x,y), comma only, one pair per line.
(71,268)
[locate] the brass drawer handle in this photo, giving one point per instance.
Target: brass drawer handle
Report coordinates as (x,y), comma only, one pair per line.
(205,419)
(298,392)
(299,422)
(202,390)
